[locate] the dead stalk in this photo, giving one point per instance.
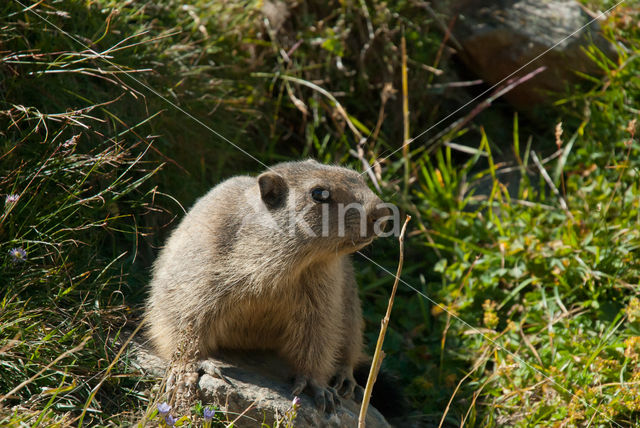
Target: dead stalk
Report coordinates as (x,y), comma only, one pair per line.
(378,355)
(552,186)
(405,113)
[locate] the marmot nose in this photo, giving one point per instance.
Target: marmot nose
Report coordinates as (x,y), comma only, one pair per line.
(380,211)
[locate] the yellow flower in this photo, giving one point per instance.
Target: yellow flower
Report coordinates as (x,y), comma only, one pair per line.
(490,318)
(633,309)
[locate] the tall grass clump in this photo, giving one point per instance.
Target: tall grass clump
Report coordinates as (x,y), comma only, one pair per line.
(74,184)
(536,288)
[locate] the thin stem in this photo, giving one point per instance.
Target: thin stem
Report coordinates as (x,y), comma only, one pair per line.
(379,354)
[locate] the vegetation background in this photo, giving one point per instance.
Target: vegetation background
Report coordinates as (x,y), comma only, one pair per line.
(116,115)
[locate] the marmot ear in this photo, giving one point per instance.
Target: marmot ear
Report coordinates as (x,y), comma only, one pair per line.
(273,189)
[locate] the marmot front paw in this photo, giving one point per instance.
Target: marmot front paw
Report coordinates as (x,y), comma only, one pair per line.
(344,382)
(326,398)
(211,368)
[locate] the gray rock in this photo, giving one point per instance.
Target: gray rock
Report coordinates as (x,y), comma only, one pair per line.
(500,36)
(262,384)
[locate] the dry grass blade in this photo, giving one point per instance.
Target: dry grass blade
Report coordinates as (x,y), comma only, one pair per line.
(405,115)
(554,189)
(106,374)
(242,414)
(483,358)
(378,355)
(45,368)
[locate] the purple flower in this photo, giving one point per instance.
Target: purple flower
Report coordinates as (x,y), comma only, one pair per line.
(164,408)
(18,254)
(170,420)
(208,413)
(296,402)
(11,199)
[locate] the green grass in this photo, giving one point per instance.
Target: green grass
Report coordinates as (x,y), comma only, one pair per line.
(531,315)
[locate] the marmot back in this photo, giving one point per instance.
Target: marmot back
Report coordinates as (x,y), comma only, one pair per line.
(263,263)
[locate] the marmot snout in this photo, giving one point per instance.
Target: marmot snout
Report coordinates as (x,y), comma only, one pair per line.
(263,263)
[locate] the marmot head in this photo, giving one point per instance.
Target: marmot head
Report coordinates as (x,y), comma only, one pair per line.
(329,208)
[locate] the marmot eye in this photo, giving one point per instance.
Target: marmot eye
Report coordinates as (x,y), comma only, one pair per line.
(320,195)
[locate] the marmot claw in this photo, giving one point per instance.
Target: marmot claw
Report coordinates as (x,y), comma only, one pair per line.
(344,383)
(326,398)
(211,368)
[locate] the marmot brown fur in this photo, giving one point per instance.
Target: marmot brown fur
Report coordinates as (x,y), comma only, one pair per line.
(263,263)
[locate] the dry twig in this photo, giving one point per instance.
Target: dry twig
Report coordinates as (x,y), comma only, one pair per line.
(378,355)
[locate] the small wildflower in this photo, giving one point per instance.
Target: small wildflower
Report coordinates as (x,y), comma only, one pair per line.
(631,127)
(11,199)
(18,255)
(170,420)
(632,348)
(490,318)
(164,408)
(296,402)
(208,413)
(633,309)
(559,135)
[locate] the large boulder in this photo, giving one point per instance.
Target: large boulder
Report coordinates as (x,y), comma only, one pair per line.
(265,383)
(262,384)
(498,37)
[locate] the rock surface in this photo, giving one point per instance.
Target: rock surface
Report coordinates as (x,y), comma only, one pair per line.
(500,36)
(261,383)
